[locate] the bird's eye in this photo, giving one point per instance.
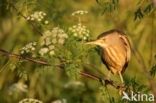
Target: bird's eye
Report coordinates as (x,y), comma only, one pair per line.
(103,39)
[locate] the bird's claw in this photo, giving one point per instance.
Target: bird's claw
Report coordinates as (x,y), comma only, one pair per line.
(122,88)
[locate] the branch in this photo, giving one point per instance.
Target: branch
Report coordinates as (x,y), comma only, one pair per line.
(85,74)
(12,55)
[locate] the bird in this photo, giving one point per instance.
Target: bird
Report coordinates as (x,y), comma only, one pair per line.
(115,51)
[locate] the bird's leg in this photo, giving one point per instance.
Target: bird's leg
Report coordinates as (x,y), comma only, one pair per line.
(121,77)
(122,87)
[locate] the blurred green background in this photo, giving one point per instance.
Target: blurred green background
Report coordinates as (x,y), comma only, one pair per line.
(48,85)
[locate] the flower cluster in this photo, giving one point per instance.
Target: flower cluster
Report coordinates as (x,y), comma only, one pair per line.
(80,31)
(18,87)
(30,100)
(38,16)
(50,39)
(60,101)
(29,48)
(79,12)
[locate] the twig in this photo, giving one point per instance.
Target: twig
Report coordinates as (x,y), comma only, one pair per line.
(85,74)
(12,55)
(34,27)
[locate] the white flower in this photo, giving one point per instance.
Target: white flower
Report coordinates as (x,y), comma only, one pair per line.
(40,13)
(47,33)
(46,22)
(39,19)
(42,42)
(38,16)
(47,41)
(79,12)
(74,26)
(84,38)
(75,34)
(43,14)
(54,40)
(21,87)
(28,18)
(34,43)
(43,51)
(80,31)
(65,35)
(60,101)
(22,52)
(56,36)
(29,48)
(32,48)
(32,19)
(51,47)
(51,53)
(30,100)
(61,41)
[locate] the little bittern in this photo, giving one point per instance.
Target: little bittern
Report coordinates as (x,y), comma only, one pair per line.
(116,51)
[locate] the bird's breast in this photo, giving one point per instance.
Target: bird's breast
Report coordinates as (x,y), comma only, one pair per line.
(114,57)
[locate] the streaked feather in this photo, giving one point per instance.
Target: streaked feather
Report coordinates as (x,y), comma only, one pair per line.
(116,57)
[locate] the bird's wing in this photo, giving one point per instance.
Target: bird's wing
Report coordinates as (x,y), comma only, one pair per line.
(104,61)
(127,47)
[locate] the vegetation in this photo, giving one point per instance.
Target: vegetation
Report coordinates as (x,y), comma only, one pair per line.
(44,58)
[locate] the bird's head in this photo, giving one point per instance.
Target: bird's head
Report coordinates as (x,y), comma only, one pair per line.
(100,42)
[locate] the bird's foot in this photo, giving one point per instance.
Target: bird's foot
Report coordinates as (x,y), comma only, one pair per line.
(122,85)
(122,88)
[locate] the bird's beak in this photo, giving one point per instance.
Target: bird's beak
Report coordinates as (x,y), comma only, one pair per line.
(95,42)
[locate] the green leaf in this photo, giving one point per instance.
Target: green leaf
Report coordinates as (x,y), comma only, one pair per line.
(98,1)
(115,2)
(148,8)
(72,71)
(138,14)
(153,71)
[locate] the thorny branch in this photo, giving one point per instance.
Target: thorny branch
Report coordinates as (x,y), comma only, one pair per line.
(41,62)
